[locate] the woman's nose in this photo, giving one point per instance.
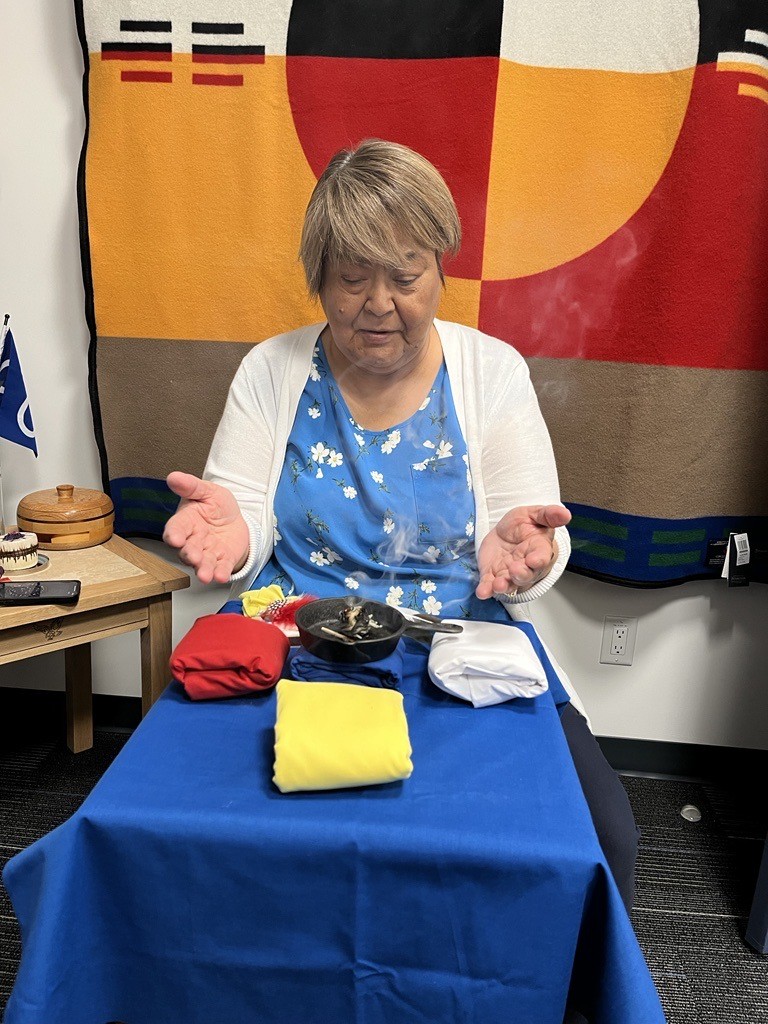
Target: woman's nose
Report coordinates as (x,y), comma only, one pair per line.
(379,301)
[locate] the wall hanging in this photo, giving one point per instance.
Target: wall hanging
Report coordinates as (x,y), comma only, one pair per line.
(610,164)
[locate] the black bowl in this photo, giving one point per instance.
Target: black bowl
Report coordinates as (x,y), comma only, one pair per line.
(325,612)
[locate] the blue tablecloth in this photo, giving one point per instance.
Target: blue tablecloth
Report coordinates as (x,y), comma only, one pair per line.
(188,890)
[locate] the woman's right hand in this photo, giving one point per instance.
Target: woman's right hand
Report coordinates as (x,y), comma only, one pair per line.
(208,528)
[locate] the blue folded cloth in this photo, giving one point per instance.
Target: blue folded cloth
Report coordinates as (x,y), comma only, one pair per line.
(387,672)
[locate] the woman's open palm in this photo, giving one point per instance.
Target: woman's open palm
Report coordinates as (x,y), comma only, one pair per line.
(519,550)
(208,528)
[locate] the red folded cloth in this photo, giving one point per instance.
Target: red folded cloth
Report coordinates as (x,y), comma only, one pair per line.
(227,655)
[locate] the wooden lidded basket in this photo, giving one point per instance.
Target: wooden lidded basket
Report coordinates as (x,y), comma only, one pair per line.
(67,517)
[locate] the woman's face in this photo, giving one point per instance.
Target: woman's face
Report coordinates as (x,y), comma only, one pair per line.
(381,319)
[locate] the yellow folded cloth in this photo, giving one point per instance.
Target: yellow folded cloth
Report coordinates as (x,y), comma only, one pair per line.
(335,735)
(255,601)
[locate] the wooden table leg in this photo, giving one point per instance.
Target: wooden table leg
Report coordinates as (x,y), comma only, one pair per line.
(155,650)
(77,676)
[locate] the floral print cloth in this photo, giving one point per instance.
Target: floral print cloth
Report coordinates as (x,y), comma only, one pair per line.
(388,515)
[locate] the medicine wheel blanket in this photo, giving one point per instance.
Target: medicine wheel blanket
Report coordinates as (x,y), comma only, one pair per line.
(609,160)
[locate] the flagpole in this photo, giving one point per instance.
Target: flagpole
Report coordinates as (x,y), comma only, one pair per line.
(2,500)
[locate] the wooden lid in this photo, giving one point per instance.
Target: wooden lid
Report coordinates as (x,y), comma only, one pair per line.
(65,504)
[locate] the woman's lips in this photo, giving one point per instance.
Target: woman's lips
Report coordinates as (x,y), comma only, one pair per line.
(377,335)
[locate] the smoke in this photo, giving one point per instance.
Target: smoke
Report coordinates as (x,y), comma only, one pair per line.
(400,546)
(578,297)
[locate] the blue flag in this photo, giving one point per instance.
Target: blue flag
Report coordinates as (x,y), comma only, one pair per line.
(15,417)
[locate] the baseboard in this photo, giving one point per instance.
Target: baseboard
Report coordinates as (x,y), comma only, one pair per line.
(683,760)
(40,714)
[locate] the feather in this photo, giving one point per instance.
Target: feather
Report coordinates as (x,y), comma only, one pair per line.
(283,613)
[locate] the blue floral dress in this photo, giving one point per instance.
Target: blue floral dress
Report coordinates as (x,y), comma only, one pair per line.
(387,514)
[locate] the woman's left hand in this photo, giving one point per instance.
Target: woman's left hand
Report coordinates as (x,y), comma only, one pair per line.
(520,550)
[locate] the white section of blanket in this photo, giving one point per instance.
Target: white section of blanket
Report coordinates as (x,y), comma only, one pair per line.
(488,663)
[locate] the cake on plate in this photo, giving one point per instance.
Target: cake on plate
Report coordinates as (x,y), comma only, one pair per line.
(18,551)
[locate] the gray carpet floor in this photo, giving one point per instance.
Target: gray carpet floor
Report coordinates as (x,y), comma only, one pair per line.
(694,885)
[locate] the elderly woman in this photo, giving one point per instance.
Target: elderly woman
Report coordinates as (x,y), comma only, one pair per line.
(386,453)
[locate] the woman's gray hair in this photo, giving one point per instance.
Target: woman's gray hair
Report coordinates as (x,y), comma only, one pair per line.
(369,203)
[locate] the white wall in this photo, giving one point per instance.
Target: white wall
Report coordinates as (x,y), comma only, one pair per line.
(699,671)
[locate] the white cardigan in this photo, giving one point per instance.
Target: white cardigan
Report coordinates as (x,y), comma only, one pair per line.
(510,453)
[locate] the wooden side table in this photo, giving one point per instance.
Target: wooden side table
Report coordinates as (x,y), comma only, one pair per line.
(124,588)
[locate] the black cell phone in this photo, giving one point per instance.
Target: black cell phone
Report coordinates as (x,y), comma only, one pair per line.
(41,592)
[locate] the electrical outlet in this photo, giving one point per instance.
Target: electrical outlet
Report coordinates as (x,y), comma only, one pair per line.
(618,646)
(619,641)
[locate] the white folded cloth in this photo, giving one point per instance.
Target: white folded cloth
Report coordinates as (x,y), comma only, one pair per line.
(487,663)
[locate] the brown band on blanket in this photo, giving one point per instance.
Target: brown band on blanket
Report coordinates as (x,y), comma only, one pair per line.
(181,425)
(705,432)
